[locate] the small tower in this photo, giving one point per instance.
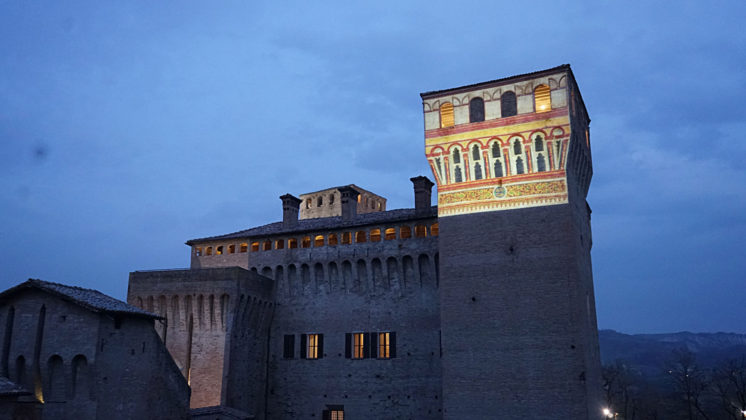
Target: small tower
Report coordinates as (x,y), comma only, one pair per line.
(511,158)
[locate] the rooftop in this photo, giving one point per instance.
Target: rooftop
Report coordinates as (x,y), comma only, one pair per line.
(9,388)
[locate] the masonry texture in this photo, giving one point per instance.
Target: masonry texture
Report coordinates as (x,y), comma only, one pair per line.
(479,308)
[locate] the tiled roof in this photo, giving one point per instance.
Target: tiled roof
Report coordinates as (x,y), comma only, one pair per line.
(324,223)
(90,299)
(9,388)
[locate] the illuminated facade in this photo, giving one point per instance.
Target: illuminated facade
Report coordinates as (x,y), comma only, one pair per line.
(481,307)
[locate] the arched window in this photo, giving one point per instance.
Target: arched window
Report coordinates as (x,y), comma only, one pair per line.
(267,246)
(389,234)
(254,246)
(538,144)
(508,104)
(375,235)
(456,155)
(20,370)
(434,229)
(208,250)
(80,376)
(331,199)
(280,244)
(360,236)
(306,242)
(219,250)
(231,249)
(495,150)
(518,165)
(318,241)
(475,153)
(517,149)
(446,115)
(56,380)
(292,243)
(457,174)
(542,99)
(244,247)
(498,169)
(477,171)
(332,240)
(420,231)
(405,232)
(346,238)
(476,110)
(541,164)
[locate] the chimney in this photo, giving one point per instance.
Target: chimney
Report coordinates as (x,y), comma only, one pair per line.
(423,188)
(349,202)
(290,208)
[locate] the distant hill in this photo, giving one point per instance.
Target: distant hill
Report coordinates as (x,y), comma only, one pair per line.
(649,352)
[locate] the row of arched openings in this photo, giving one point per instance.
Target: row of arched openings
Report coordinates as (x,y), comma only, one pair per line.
(508,106)
(58,383)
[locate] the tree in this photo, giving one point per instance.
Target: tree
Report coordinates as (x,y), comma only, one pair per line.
(690,383)
(729,383)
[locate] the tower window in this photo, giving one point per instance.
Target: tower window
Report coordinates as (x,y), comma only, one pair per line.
(312,346)
(508,106)
(280,244)
(542,98)
(208,250)
(358,346)
(498,169)
(476,110)
(360,236)
(541,164)
(517,149)
(456,156)
(457,174)
(477,171)
(475,153)
(198,251)
(331,199)
(446,115)
(519,165)
(405,232)
(434,229)
(538,144)
(420,231)
(495,150)
(231,249)
(308,203)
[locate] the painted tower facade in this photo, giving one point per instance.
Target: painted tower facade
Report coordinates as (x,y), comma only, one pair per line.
(512,162)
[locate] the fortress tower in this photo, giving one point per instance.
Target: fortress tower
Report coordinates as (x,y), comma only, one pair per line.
(511,158)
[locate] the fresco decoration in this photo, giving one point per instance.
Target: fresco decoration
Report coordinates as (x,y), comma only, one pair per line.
(503,197)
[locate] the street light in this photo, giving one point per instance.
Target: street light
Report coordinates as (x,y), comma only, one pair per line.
(608,413)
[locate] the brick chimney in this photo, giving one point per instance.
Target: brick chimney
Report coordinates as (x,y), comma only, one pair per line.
(290,208)
(349,202)
(423,190)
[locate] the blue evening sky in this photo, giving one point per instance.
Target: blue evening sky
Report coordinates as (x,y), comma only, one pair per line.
(127,128)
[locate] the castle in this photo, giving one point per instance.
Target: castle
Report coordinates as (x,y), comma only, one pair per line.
(479,307)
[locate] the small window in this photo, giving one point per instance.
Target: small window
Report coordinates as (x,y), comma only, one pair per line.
(333,412)
(477,171)
(308,203)
(292,243)
(254,246)
(318,241)
(456,155)
(288,347)
(208,250)
(538,144)
(312,346)
(319,201)
(244,247)
(446,115)
(375,235)
(332,240)
(508,106)
(389,234)
(306,242)
(517,147)
(280,244)
(498,169)
(198,251)
(267,246)
(541,164)
(331,199)
(360,236)
(231,249)
(519,166)
(457,175)
(495,150)
(346,238)
(475,155)
(434,229)
(405,232)
(358,345)
(219,250)
(384,345)
(542,98)
(476,110)
(420,231)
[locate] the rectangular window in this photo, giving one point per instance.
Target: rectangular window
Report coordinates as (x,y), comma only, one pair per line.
(231,249)
(358,345)
(384,345)
(333,412)
(280,244)
(288,349)
(198,251)
(244,247)
(312,346)
(346,238)
(254,246)
(292,243)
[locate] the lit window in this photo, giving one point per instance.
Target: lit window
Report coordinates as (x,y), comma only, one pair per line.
(198,251)
(254,246)
(280,244)
(360,236)
(219,250)
(318,240)
(420,231)
(267,246)
(346,238)
(244,247)
(542,98)
(333,412)
(389,234)
(476,110)
(231,249)
(332,239)
(306,242)
(358,345)
(292,243)
(312,346)
(446,115)
(384,345)
(405,232)
(434,229)
(208,250)
(375,235)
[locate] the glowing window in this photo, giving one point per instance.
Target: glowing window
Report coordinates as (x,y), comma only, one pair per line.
(312,346)
(198,251)
(336,414)
(359,197)
(244,247)
(306,242)
(360,236)
(231,249)
(254,246)
(420,231)
(332,239)
(405,232)
(267,246)
(508,106)
(476,110)
(358,345)
(280,244)
(318,240)
(208,250)
(446,115)
(292,243)
(384,345)
(219,250)
(434,229)
(542,98)
(346,238)
(389,234)
(375,235)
